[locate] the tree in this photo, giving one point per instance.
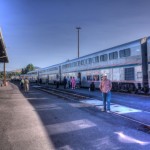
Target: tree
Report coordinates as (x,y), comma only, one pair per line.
(23,71)
(29,67)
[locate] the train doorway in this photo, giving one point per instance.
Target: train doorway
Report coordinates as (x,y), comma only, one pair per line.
(79,78)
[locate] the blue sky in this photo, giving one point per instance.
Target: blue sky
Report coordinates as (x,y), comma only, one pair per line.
(43,32)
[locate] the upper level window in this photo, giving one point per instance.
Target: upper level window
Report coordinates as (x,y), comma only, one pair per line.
(97,59)
(82,62)
(85,61)
(79,63)
(89,60)
(103,57)
(113,55)
(125,53)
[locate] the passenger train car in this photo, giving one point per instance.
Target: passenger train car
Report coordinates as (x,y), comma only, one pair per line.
(148,59)
(127,66)
(33,76)
(50,74)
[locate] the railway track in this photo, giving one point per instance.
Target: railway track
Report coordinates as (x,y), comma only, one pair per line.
(63,94)
(78,97)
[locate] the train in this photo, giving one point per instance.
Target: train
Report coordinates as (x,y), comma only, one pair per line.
(126,65)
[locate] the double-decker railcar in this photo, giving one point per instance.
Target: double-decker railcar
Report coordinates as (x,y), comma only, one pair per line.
(148,59)
(33,76)
(50,74)
(126,66)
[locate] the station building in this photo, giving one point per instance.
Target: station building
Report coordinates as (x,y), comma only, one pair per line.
(3,57)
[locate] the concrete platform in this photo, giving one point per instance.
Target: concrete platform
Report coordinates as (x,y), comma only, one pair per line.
(20,127)
(37,120)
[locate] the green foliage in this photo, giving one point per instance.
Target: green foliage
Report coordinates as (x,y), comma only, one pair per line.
(25,70)
(28,68)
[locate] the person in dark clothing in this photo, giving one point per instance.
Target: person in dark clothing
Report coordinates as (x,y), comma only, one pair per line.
(65,82)
(40,81)
(57,83)
(92,86)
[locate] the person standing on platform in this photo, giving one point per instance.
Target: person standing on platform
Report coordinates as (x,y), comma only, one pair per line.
(26,85)
(65,82)
(70,86)
(73,82)
(22,83)
(57,83)
(105,87)
(68,82)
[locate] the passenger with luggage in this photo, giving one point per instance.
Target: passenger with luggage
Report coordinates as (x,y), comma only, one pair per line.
(105,87)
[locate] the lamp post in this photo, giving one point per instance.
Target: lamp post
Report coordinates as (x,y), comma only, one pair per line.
(78,29)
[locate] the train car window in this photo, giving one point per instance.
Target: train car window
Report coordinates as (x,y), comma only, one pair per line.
(97,59)
(82,62)
(103,57)
(129,73)
(113,55)
(85,61)
(93,59)
(139,75)
(75,64)
(89,78)
(96,77)
(122,53)
(79,63)
(67,66)
(90,60)
(127,52)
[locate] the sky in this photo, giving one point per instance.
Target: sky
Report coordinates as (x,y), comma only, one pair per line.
(43,32)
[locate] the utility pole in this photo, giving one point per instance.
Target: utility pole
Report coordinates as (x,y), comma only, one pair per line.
(78,30)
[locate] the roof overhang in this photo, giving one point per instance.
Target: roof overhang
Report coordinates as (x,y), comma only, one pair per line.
(3,53)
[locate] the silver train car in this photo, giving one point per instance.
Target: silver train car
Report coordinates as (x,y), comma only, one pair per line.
(50,74)
(33,76)
(148,59)
(127,66)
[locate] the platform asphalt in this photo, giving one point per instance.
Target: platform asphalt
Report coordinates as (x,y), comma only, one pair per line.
(140,114)
(21,127)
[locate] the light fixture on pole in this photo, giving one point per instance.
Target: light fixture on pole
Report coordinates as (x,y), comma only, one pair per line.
(78,29)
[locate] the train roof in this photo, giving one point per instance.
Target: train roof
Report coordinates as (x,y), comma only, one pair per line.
(122,45)
(129,43)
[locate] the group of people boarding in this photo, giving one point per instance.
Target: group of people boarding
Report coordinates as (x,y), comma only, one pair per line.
(71,82)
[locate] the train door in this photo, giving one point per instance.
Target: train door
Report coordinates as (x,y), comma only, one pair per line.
(60,79)
(79,78)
